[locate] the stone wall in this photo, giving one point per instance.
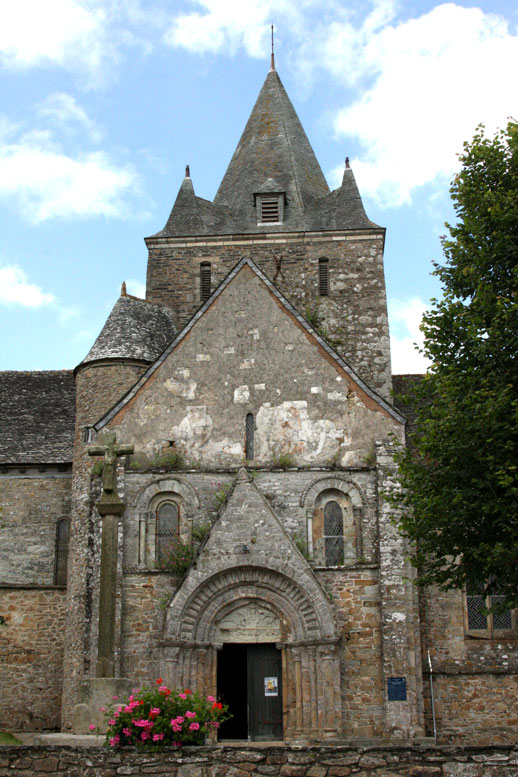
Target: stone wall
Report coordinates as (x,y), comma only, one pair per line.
(31,657)
(34,761)
(32,504)
(475,677)
(354,313)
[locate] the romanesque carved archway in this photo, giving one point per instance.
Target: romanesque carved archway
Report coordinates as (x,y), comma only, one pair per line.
(308,640)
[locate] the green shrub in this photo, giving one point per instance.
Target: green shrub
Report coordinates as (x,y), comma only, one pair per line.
(177,557)
(284,461)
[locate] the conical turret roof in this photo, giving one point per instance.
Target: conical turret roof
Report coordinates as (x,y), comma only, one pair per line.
(135,329)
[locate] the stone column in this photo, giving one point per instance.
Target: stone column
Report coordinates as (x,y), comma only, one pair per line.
(110,513)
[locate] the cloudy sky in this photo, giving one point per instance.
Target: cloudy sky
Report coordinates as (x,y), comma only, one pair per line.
(104,102)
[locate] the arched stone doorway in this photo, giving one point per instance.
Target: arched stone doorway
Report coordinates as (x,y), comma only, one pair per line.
(262,606)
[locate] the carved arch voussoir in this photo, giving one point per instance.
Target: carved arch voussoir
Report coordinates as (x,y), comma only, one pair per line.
(172,485)
(337,482)
(195,617)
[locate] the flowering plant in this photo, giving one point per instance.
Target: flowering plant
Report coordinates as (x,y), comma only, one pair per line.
(158,717)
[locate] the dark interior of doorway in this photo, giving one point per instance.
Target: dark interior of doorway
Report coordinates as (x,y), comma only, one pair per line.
(232,690)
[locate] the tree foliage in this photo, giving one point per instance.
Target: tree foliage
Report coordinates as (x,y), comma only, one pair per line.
(460,472)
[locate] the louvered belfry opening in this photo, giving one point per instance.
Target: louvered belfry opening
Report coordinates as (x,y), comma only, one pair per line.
(333,534)
(270,209)
(249,436)
(323,277)
(166,527)
(205,280)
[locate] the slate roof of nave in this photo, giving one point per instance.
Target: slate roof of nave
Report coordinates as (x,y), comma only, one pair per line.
(37,417)
(135,329)
(273,146)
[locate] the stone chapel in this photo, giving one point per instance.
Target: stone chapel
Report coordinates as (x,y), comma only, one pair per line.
(243,411)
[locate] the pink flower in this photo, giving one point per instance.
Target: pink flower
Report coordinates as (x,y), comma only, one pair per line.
(126,732)
(190,714)
(213,724)
(157,737)
(194,727)
(111,722)
(154,711)
(144,735)
(176,744)
(114,741)
(92,726)
(182,695)
(102,709)
(211,698)
(115,698)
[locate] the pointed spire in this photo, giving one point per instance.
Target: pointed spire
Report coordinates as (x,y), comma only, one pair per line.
(273,145)
(272,65)
(123,289)
(187,171)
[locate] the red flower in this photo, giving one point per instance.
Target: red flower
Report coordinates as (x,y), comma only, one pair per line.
(217,705)
(159,681)
(186,690)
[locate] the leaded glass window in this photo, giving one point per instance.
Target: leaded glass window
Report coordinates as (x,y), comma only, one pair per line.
(61,562)
(478,620)
(167,526)
(333,534)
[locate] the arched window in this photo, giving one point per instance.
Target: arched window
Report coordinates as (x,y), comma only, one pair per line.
(205,281)
(61,558)
(249,436)
(323,277)
(167,527)
(333,534)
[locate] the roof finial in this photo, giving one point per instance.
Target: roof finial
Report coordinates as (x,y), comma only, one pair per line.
(187,171)
(272,66)
(123,289)
(347,165)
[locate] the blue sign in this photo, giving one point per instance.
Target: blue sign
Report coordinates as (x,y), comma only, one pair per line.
(396,687)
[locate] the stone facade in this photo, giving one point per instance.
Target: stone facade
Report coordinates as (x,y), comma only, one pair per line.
(259,429)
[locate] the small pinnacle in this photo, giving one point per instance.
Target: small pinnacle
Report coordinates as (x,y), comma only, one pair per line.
(123,289)
(272,65)
(347,165)
(187,171)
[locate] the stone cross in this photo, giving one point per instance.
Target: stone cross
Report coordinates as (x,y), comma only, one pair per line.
(110,508)
(110,450)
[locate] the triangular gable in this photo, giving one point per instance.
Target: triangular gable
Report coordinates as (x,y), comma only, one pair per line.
(370,397)
(249,547)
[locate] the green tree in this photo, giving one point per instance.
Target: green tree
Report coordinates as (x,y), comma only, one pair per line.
(459,474)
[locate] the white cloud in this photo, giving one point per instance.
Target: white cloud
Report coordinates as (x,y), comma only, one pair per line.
(62,110)
(405,317)
(48,183)
(231,24)
(136,288)
(429,82)
(16,290)
(68,33)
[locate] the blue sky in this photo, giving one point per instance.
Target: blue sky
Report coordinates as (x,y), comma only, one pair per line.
(104,102)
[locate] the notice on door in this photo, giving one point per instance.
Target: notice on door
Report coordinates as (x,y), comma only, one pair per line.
(271,686)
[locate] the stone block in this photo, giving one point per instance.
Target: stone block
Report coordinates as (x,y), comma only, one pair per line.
(49,764)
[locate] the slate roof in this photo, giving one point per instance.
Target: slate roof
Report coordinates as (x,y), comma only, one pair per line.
(135,329)
(272,146)
(37,417)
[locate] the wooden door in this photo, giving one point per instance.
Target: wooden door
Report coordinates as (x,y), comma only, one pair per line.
(264,681)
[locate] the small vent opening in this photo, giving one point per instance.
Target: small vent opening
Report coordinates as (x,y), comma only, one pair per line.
(323,277)
(205,280)
(270,209)
(249,437)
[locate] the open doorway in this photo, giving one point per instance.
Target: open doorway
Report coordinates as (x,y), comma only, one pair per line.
(250,682)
